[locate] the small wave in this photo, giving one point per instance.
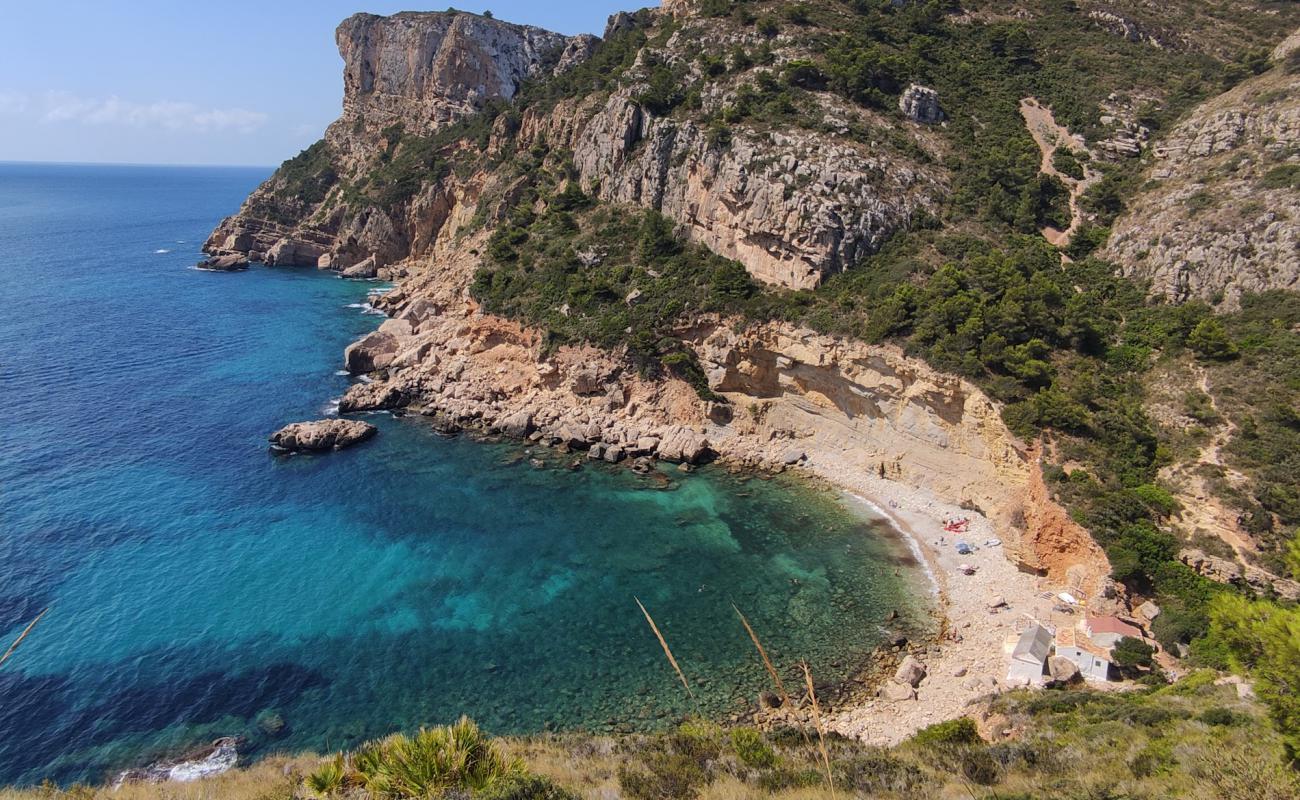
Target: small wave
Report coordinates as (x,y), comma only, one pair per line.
(908,535)
(357,305)
(161,251)
(331,409)
(341,372)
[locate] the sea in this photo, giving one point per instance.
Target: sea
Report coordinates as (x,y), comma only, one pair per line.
(199,586)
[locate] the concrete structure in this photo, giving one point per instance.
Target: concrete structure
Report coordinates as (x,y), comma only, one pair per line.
(1029,656)
(1106,631)
(1093,661)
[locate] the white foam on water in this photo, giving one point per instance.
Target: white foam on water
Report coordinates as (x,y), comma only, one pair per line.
(331,409)
(913,543)
(161,251)
(341,372)
(221,760)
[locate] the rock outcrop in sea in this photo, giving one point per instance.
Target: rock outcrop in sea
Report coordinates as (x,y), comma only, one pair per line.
(321,435)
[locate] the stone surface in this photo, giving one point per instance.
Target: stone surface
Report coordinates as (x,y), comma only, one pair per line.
(896,692)
(1062,670)
(1208,224)
(921,104)
(228,262)
(325,434)
(911,672)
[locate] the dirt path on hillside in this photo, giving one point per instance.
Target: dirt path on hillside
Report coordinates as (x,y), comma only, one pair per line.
(1201,509)
(1049,135)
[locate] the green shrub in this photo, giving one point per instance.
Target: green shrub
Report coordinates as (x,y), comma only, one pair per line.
(662,776)
(329,777)
(878,772)
(752,749)
(956,731)
(434,760)
(1222,717)
(1284,176)
(1067,163)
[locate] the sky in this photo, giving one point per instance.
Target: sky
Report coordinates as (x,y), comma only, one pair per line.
(181,82)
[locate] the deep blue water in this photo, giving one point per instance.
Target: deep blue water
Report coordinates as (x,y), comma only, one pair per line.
(197,582)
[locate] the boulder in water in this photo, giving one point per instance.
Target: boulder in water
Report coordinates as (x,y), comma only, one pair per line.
(227,262)
(321,435)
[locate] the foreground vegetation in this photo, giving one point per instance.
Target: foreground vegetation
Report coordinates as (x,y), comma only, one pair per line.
(1194,739)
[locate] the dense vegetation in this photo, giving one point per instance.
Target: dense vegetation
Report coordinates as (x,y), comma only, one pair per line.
(608,276)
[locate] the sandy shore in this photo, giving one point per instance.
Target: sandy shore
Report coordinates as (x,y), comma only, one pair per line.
(968,661)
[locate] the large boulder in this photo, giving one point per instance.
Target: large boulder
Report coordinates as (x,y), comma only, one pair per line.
(1062,670)
(378,349)
(376,396)
(921,104)
(518,424)
(365,269)
(684,444)
(896,692)
(226,262)
(911,672)
(320,435)
(294,253)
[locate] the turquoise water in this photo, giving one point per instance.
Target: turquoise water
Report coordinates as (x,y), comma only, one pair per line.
(197,583)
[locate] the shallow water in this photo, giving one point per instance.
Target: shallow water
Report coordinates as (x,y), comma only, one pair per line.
(198,583)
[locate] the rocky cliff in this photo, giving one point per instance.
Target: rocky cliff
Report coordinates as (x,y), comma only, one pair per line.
(792,205)
(1218,215)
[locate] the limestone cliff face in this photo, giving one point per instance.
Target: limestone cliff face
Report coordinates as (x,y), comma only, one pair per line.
(425,70)
(790,205)
(1220,217)
(407,75)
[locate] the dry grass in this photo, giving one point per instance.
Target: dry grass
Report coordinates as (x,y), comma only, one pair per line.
(273,778)
(1067,745)
(22,636)
(667,651)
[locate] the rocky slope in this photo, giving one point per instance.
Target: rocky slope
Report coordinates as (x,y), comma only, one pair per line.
(790,204)
(1218,215)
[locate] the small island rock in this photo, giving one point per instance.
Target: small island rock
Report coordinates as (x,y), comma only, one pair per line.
(324,434)
(229,262)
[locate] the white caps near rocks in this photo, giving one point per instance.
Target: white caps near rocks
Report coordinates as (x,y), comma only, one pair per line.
(324,434)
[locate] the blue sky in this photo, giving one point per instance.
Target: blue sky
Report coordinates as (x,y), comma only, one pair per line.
(181,82)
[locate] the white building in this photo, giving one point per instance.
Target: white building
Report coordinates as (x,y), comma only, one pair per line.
(1029,656)
(1093,661)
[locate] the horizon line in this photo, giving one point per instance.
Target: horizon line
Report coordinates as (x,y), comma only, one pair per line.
(133,164)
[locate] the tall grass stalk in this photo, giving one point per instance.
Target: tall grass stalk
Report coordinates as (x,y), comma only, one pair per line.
(817,720)
(22,636)
(767,662)
(664,644)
